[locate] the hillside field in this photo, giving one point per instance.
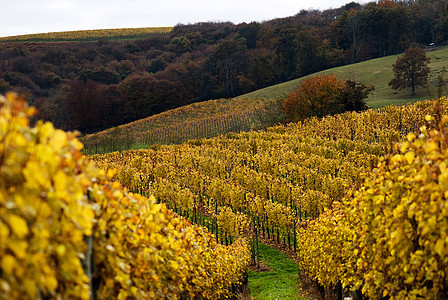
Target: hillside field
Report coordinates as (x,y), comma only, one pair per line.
(306,185)
(256,110)
(377,72)
(88,35)
(193,121)
(363,192)
(134,164)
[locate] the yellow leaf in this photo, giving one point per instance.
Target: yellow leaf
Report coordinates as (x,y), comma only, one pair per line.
(111,173)
(443,180)
(409,157)
(444,120)
(59,140)
(123,295)
(396,158)
(60,250)
(404,147)
(46,130)
(60,181)
(51,282)
(410,137)
(30,288)
(155,277)
(18,226)
(430,147)
(8,263)
(36,177)
(19,248)
(439,246)
(4,231)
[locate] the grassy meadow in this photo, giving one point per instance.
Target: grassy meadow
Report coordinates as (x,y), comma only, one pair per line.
(377,72)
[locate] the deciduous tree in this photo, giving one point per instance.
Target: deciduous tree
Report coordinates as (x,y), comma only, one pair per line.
(352,95)
(323,95)
(316,96)
(411,70)
(84,104)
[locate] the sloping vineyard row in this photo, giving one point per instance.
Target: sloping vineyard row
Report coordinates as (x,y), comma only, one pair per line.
(150,131)
(389,239)
(69,232)
(285,175)
(227,172)
(384,126)
(231,182)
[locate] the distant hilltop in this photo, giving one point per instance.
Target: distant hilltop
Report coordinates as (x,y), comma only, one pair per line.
(88,35)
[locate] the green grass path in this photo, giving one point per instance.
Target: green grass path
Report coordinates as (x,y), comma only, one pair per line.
(280,283)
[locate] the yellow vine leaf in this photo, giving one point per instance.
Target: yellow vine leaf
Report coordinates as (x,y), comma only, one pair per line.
(18,225)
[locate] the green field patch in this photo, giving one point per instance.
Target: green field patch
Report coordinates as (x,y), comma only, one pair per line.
(282,282)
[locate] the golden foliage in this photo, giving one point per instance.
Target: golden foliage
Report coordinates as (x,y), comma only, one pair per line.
(316,96)
(44,211)
(389,238)
(385,234)
(52,197)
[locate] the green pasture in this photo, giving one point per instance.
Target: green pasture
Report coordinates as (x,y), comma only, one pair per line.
(377,72)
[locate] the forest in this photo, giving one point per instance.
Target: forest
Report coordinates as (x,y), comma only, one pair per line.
(90,86)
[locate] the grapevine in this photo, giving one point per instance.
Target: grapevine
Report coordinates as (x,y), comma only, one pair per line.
(69,231)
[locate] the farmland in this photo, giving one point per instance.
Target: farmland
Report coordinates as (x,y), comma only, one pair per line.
(69,231)
(311,186)
(256,110)
(157,163)
(88,35)
(289,182)
(194,121)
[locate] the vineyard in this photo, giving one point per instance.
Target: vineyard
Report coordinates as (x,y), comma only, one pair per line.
(359,197)
(310,186)
(88,35)
(194,121)
(69,232)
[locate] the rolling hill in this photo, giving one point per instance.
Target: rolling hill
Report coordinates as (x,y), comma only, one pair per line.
(377,72)
(88,35)
(193,121)
(258,109)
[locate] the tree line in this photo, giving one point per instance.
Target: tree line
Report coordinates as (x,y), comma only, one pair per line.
(89,86)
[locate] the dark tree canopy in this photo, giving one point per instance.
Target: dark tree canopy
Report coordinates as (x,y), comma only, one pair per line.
(411,70)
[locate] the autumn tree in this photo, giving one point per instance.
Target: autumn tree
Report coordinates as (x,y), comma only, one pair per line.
(352,30)
(84,105)
(227,60)
(310,58)
(143,96)
(250,33)
(286,48)
(323,95)
(316,96)
(411,70)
